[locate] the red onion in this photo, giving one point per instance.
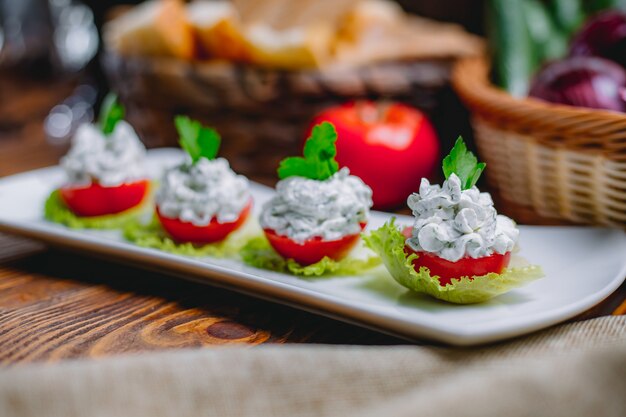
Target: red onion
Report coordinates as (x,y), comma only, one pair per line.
(604,36)
(582,81)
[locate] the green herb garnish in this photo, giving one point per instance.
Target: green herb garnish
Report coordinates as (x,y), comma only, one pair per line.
(197,140)
(111,112)
(464,164)
(319,156)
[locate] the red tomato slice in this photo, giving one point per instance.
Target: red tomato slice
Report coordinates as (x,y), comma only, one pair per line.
(97,200)
(312,250)
(446,270)
(182,231)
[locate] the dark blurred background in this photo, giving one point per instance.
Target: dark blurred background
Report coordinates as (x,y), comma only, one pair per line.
(466,12)
(30,24)
(50,71)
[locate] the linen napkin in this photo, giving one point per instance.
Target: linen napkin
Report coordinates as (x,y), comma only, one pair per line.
(577,369)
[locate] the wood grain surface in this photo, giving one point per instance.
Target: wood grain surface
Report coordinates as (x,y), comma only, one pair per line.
(56,305)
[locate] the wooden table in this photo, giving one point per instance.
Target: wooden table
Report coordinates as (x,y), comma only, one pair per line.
(56,305)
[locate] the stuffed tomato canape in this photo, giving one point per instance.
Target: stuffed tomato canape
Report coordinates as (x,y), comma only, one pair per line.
(104,166)
(201,200)
(318,211)
(458,248)
(457,232)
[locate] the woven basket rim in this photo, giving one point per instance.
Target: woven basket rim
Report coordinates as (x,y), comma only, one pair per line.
(470,79)
(589,131)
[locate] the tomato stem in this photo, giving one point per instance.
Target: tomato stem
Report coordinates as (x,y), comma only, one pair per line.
(372,112)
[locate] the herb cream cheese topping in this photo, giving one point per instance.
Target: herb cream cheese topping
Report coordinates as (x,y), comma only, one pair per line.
(453,223)
(330,209)
(110,160)
(199,192)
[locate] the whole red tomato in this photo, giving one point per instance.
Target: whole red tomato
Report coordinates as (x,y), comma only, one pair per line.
(390,146)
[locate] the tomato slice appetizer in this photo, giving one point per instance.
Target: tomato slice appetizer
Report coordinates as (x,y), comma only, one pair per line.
(183,231)
(97,200)
(469,267)
(312,250)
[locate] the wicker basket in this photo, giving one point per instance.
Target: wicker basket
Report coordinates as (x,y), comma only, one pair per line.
(263,114)
(546,160)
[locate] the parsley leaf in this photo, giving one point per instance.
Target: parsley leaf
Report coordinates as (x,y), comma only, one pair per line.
(319,156)
(197,140)
(464,164)
(111,112)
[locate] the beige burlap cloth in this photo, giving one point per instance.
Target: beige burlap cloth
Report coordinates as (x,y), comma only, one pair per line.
(573,370)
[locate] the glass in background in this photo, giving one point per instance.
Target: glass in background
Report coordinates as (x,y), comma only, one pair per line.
(46,47)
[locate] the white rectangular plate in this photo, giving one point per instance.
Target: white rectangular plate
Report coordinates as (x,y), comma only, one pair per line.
(582,266)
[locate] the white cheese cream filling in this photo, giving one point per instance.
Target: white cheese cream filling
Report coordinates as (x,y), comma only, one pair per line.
(331,209)
(110,160)
(453,223)
(199,192)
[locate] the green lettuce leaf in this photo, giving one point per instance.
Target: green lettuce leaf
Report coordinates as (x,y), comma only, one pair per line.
(388,242)
(56,211)
(153,236)
(260,254)
(319,156)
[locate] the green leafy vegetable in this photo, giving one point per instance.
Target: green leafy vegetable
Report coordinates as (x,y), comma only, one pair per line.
(260,254)
(464,164)
(568,14)
(513,54)
(152,235)
(198,141)
(594,6)
(388,242)
(319,156)
(548,41)
(111,112)
(56,211)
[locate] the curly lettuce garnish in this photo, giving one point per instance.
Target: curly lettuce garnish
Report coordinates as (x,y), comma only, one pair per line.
(388,242)
(259,253)
(56,211)
(319,161)
(152,235)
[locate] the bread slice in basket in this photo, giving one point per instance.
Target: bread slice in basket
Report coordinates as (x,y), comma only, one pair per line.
(218,30)
(221,34)
(153,28)
(285,34)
